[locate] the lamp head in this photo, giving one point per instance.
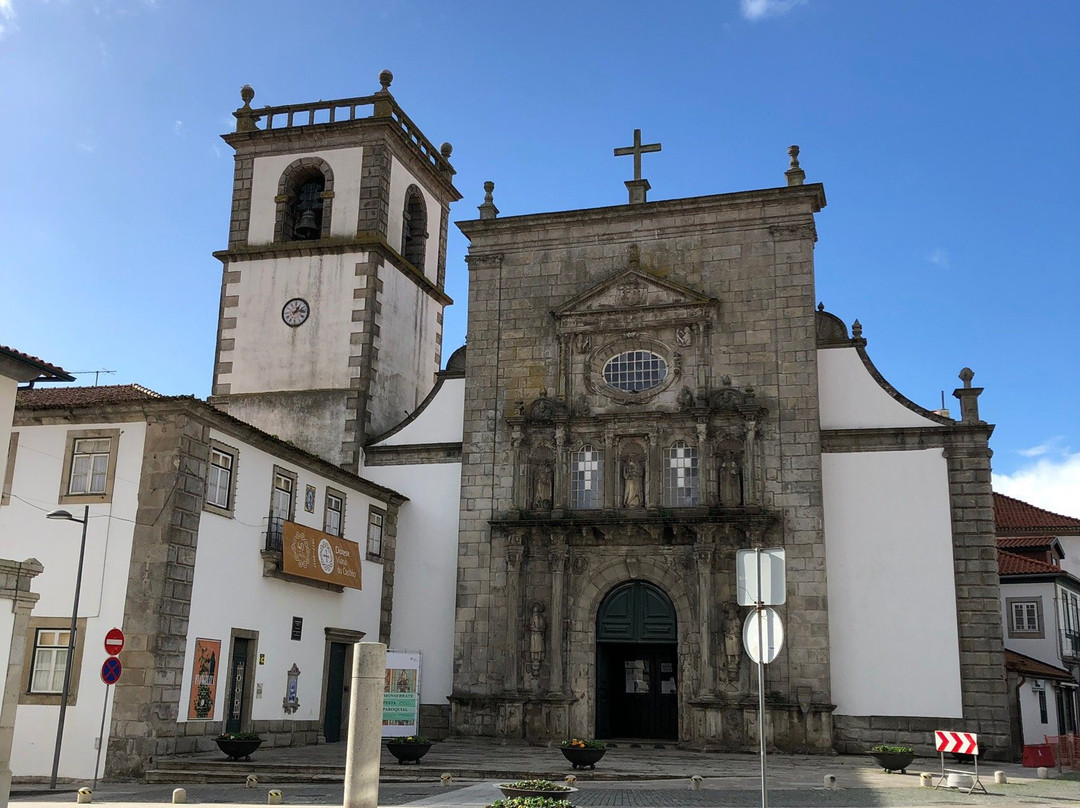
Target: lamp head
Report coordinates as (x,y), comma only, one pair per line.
(61,514)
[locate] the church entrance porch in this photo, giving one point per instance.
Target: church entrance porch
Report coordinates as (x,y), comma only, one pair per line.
(636,653)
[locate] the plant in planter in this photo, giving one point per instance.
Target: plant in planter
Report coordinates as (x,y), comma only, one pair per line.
(582,752)
(893,758)
(238,745)
(530,802)
(408,748)
(536,788)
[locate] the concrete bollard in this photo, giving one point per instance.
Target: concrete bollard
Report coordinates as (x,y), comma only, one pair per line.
(447,778)
(252,781)
(84,796)
(1000,778)
(926,780)
(274,797)
(570,780)
(365,725)
(696,782)
(179,796)
(830,781)
(1043,772)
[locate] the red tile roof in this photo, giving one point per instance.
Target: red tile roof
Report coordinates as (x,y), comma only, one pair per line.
(1029,542)
(48,371)
(1014,516)
(1013,564)
(44,398)
(1033,667)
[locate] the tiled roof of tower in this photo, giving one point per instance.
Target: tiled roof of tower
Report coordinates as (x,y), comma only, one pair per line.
(1014,515)
(48,370)
(1013,564)
(44,398)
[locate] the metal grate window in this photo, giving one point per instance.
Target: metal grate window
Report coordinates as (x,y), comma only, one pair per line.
(586,479)
(681,476)
(634,371)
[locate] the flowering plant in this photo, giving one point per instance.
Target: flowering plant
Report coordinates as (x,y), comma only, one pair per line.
(536,785)
(239,736)
(893,750)
(408,739)
(530,802)
(582,743)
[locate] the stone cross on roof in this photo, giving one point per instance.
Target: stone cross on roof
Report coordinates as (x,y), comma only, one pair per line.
(637,186)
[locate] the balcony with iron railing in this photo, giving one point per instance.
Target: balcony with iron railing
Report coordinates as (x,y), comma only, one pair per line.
(381,105)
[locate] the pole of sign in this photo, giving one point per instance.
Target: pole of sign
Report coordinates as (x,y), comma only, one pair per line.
(101,735)
(759,606)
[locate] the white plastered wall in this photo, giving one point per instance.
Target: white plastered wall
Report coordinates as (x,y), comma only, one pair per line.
(228,569)
(851,398)
(440,421)
(1035,731)
(400,180)
(347,165)
(26,533)
(892,596)
(8,390)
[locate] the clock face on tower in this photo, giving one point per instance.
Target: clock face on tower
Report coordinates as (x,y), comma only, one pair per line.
(295,312)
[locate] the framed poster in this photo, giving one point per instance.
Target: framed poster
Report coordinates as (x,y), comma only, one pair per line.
(401,694)
(204,680)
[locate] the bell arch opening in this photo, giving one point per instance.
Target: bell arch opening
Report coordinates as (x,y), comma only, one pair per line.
(636,663)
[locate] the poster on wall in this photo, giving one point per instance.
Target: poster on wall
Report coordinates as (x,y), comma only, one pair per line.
(401,694)
(204,680)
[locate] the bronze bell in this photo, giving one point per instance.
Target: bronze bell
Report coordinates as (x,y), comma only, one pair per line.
(308,228)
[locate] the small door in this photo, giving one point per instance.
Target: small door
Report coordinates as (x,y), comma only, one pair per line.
(234,717)
(640,691)
(335,692)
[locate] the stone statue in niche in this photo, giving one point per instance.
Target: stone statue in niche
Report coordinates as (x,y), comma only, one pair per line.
(543,485)
(685,399)
(684,336)
(730,468)
(732,641)
(633,483)
(581,405)
(584,343)
(537,634)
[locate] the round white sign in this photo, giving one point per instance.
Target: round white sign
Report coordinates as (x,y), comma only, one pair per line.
(326,556)
(772,635)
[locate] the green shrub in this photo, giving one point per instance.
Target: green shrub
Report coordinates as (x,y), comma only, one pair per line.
(239,736)
(536,785)
(582,743)
(408,739)
(530,802)
(895,750)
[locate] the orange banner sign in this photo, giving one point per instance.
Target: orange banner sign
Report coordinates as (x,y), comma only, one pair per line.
(310,553)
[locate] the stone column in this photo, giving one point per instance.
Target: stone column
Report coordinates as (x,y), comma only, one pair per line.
(557,560)
(365,725)
(703,553)
(706,486)
(514,556)
(611,471)
(561,477)
(654,473)
(15,580)
(521,470)
(750,487)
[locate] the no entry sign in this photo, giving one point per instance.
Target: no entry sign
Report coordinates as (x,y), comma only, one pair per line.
(114,642)
(111,670)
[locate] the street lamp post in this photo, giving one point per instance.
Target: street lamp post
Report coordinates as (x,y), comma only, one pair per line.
(66,516)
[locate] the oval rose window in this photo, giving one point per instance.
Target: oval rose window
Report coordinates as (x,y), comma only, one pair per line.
(634,371)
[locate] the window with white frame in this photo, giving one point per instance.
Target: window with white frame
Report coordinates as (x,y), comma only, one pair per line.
(1024,617)
(334,513)
(281,506)
(586,479)
(1070,623)
(376,518)
(89,466)
(219,483)
(681,476)
(50,660)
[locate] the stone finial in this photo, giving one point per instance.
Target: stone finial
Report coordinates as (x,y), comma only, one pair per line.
(245,116)
(856,330)
(969,398)
(795,175)
(247,93)
(446,150)
(488,209)
(821,307)
(385,78)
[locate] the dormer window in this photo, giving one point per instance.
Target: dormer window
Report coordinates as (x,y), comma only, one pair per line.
(414,228)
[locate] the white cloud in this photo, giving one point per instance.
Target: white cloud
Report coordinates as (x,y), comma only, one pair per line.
(84,147)
(7,14)
(1052,445)
(760,9)
(178,128)
(940,257)
(1051,482)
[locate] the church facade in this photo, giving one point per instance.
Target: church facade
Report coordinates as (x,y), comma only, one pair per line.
(648,388)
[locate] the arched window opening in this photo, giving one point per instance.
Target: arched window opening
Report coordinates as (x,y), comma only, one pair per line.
(414,228)
(306,209)
(586,479)
(681,476)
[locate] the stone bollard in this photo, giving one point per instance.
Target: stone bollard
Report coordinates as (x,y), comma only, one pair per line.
(1043,772)
(447,778)
(695,782)
(84,796)
(179,796)
(1000,778)
(365,725)
(830,781)
(926,780)
(274,797)
(252,781)
(570,780)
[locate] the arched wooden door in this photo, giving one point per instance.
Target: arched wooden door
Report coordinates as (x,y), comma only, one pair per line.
(636,654)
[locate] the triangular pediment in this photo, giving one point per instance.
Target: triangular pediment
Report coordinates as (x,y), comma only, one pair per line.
(631,289)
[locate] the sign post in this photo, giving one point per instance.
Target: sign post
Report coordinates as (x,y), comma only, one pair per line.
(761,583)
(111,671)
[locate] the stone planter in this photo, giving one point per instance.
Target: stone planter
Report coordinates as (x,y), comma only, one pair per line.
(561,794)
(893,761)
(238,749)
(582,758)
(408,752)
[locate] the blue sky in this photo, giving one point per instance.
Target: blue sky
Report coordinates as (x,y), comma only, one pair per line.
(945,134)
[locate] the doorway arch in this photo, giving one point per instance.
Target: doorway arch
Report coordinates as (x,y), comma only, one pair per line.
(636,654)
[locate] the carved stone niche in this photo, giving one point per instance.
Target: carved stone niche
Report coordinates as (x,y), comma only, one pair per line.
(540,492)
(633,467)
(730,472)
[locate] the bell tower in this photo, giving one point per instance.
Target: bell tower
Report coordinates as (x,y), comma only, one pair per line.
(332,290)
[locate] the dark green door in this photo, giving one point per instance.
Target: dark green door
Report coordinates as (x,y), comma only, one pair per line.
(335,692)
(234,717)
(636,656)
